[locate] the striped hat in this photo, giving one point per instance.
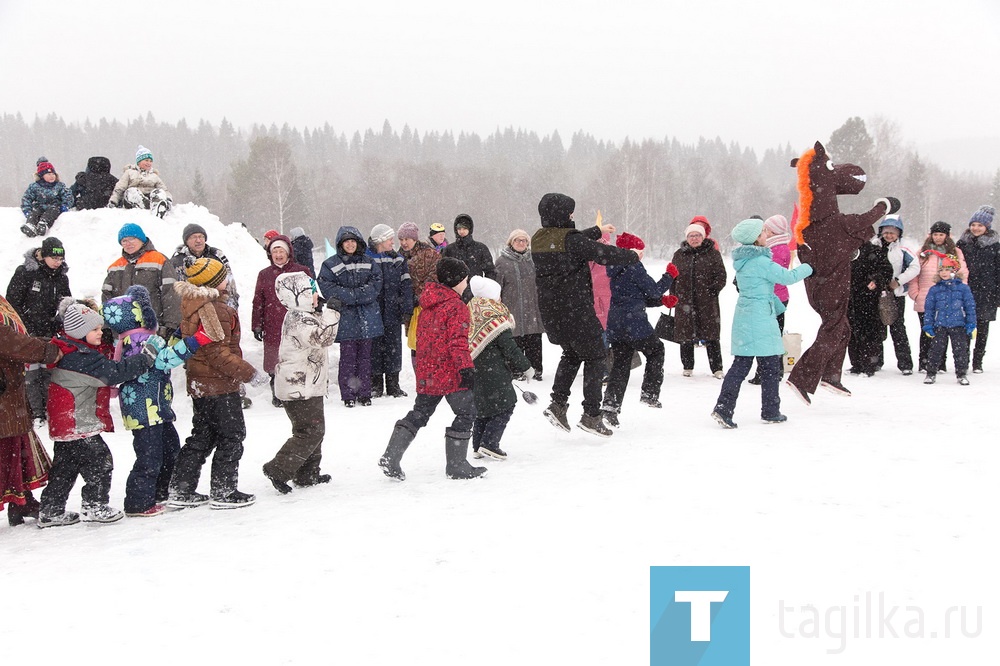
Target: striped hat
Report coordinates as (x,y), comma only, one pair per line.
(143,153)
(206,272)
(78,320)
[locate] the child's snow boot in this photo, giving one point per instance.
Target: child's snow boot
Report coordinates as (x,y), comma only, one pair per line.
(400,440)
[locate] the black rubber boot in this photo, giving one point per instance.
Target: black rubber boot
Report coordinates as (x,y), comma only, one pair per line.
(377,389)
(402,435)
(456,449)
(392,387)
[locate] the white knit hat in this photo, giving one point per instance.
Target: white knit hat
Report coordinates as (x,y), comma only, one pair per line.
(381,232)
(696,229)
(143,153)
(484,287)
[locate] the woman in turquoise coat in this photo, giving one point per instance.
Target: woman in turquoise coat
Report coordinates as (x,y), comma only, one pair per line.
(755,324)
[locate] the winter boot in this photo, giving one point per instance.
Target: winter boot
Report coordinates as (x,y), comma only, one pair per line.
(28,230)
(610,417)
(58,519)
(377,389)
(100,513)
(281,485)
(16,513)
(313,480)
(556,414)
(402,435)
(392,386)
(726,422)
(234,500)
(594,425)
(651,400)
(456,450)
(181,500)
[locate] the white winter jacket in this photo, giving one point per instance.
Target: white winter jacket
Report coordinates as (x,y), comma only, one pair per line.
(895,253)
(144,181)
(302,369)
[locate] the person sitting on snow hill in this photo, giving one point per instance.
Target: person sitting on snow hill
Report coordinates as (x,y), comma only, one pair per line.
(94,186)
(755,323)
(140,263)
(445,370)
(43,201)
(495,355)
(194,247)
(632,291)
(79,411)
(214,375)
(302,249)
(300,380)
(146,400)
(141,187)
(949,313)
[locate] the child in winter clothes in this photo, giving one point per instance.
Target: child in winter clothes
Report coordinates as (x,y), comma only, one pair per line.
(755,324)
(94,186)
(937,243)
(949,312)
(395,302)
(141,187)
(352,278)
(214,375)
(905,268)
(632,290)
(444,370)
(146,401)
(43,201)
(300,381)
(35,291)
(495,355)
(981,246)
(79,411)
(781,254)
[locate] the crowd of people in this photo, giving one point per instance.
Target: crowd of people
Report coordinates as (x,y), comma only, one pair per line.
(473,325)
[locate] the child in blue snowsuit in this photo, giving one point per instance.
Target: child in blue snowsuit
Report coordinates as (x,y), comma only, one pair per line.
(755,323)
(146,401)
(949,313)
(44,200)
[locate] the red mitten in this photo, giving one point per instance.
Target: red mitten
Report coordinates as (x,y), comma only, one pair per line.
(669,300)
(672,270)
(201,336)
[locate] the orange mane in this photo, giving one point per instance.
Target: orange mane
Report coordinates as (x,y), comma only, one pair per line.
(805,194)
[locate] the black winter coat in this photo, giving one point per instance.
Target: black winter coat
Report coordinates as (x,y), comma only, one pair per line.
(562,276)
(94,186)
(302,253)
(35,291)
(982,257)
(475,254)
(701,276)
(871,265)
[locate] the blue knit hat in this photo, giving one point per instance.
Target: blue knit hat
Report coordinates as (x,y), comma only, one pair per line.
(983,216)
(747,231)
(131,230)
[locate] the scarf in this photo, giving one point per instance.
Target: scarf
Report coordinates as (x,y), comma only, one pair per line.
(489,319)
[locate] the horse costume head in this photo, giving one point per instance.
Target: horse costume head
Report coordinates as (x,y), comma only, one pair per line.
(819,183)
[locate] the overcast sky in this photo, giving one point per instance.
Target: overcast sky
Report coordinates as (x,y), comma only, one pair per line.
(761,73)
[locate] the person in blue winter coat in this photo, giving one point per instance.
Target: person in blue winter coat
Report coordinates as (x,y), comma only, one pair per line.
(351,277)
(395,302)
(629,331)
(755,323)
(949,313)
(146,401)
(44,200)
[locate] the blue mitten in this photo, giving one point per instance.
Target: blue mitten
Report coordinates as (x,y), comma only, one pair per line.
(928,331)
(970,329)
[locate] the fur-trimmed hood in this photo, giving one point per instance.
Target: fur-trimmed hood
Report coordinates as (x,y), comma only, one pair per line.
(195,300)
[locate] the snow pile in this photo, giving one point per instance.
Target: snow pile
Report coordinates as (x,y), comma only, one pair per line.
(546,560)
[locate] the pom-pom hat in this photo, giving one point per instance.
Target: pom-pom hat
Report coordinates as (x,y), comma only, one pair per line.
(143,153)
(983,216)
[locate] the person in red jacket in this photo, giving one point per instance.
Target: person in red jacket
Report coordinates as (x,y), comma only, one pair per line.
(444,369)
(268,313)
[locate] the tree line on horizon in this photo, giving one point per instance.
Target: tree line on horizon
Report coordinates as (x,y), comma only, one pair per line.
(270,177)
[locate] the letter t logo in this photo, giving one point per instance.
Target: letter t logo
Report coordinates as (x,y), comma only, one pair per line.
(701,610)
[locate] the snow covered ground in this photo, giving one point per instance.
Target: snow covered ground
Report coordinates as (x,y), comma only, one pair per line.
(546,560)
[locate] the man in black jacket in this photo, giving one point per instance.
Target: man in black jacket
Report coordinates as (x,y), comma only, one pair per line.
(475,254)
(566,301)
(94,186)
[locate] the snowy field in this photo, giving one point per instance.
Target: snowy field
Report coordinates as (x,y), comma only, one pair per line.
(546,560)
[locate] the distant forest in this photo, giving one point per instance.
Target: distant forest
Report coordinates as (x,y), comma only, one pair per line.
(319,179)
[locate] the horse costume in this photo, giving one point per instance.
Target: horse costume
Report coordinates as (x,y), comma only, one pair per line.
(828,240)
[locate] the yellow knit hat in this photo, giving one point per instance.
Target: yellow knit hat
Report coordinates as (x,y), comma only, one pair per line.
(206,272)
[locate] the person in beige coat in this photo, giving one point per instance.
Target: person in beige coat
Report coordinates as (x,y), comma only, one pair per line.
(141,186)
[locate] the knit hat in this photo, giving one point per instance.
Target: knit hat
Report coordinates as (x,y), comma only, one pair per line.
(41,159)
(484,287)
(778,225)
(891,221)
(748,231)
(408,230)
(451,271)
(280,241)
(696,229)
(131,230)
(271,234)
(53,247)
(437,228)
(295,232)
(206,272)
(133,310)
(191,230)
(142,153)
(949,261)
(940,227)
(381,233)
(702,221)
(44,168)
(78,319)
(518,233)
(627,241)
(983,216)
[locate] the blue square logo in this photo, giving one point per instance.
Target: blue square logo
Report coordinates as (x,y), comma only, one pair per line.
(699,616)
